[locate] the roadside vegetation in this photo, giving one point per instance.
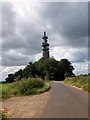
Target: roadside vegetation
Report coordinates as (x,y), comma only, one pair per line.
(23,87)
(2,116)
(33,78)
(81,81)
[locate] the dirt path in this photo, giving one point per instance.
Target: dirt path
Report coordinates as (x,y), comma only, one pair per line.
(25,107)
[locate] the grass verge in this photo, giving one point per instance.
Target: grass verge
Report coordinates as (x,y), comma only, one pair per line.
(24,87)
(79,81)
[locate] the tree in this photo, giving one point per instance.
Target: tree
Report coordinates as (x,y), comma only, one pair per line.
(19,74)
(51,66)
(10,78)
(50,69)
(30,70)
(45,68)
(66,67)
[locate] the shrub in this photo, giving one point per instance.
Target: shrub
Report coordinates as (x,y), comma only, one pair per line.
(29,86)
(24,87)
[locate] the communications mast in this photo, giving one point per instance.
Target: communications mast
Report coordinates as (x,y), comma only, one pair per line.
(45,46)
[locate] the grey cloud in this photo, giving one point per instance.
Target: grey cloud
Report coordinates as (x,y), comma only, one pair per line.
(67,20)
(15,58)
(26,44)
(70,20)
(80,56)
(26,40)
(14,62)
(8,19)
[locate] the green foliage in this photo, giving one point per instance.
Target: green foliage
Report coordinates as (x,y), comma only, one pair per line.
(9,89)
(2,116)
(79,81)
(86,87)
(45,68)
(10,78)
(46,76)
(19,73)
(66,67)
(29,86)
(29,70)
(24,87)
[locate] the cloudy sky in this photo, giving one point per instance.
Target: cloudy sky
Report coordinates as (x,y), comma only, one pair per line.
(23,24)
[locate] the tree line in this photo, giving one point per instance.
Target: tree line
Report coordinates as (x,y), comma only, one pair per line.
(46,69)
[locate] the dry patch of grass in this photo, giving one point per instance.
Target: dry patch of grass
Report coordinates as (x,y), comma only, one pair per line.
(79,81)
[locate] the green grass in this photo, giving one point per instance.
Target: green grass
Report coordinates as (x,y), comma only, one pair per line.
(24,87)
(79,81)
(0,91)
(2,116)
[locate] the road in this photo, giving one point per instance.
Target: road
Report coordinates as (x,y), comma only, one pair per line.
(66,102)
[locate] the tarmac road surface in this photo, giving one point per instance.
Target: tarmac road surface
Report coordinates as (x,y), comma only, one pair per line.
(66,102)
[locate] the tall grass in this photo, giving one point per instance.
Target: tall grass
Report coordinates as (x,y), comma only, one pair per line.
(24,87)
(79,81)
(3,116)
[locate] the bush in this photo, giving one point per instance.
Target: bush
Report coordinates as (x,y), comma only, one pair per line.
(24,87)
(29,86)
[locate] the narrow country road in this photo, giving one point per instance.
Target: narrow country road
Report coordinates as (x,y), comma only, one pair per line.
(66,102)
